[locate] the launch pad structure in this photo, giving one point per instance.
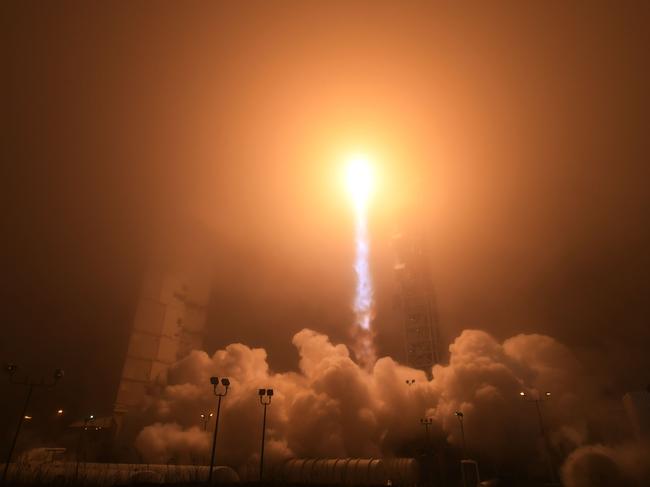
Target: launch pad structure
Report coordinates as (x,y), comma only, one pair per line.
(169,323)
(417,301)
(171,315)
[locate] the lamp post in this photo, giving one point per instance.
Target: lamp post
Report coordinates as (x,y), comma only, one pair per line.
(426,422)
(81,443)
(225,382)
(461,417)
(55,426)
(205,419)
(265,399)
(11,369)
(542,429)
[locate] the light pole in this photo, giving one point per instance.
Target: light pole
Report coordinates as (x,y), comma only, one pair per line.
(205,419)
(265,399)
(215,384)
(538,406)
(11,369)
(81,443)
(55,426)
(461,417)
(426,422)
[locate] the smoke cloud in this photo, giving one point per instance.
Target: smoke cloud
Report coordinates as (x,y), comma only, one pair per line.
(603,466)
(333,407)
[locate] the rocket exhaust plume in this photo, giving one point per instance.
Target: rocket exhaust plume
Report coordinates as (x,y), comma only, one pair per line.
(359,183)
(360,413)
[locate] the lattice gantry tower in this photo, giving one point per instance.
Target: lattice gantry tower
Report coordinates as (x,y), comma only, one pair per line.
(418,305)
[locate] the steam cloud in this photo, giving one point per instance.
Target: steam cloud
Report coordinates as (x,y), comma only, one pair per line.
(333,407)
(602,466)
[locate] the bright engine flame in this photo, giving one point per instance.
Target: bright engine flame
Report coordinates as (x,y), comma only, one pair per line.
(359,179)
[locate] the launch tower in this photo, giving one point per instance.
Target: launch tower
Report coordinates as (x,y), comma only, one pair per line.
(170,318)
(168,324)
(417,303)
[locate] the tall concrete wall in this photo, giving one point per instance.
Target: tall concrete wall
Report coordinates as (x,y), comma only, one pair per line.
(169,323)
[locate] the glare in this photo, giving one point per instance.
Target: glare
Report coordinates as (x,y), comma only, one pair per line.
(359,179)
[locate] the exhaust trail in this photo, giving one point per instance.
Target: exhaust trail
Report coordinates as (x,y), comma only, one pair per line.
(359,179)
(363,302)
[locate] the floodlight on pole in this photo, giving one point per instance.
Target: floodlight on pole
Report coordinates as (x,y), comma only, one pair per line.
(225,383)
(81,443)
(11,369)
(461,417)
(265,396)
(538,400)
(426,422)
(205,419)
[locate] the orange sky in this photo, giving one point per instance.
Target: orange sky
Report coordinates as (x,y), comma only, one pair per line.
(514,134)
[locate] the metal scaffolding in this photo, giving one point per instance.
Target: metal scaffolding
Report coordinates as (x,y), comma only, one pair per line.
(417,302)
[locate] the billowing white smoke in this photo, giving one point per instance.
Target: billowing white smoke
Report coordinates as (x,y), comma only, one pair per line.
(333,407)
(602,466)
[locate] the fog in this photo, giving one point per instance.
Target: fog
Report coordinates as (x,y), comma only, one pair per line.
(513,136)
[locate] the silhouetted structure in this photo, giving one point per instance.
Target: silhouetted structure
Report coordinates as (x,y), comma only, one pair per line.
(417,302)
(637,408)
(168,325)
(170,317)
(403,472)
